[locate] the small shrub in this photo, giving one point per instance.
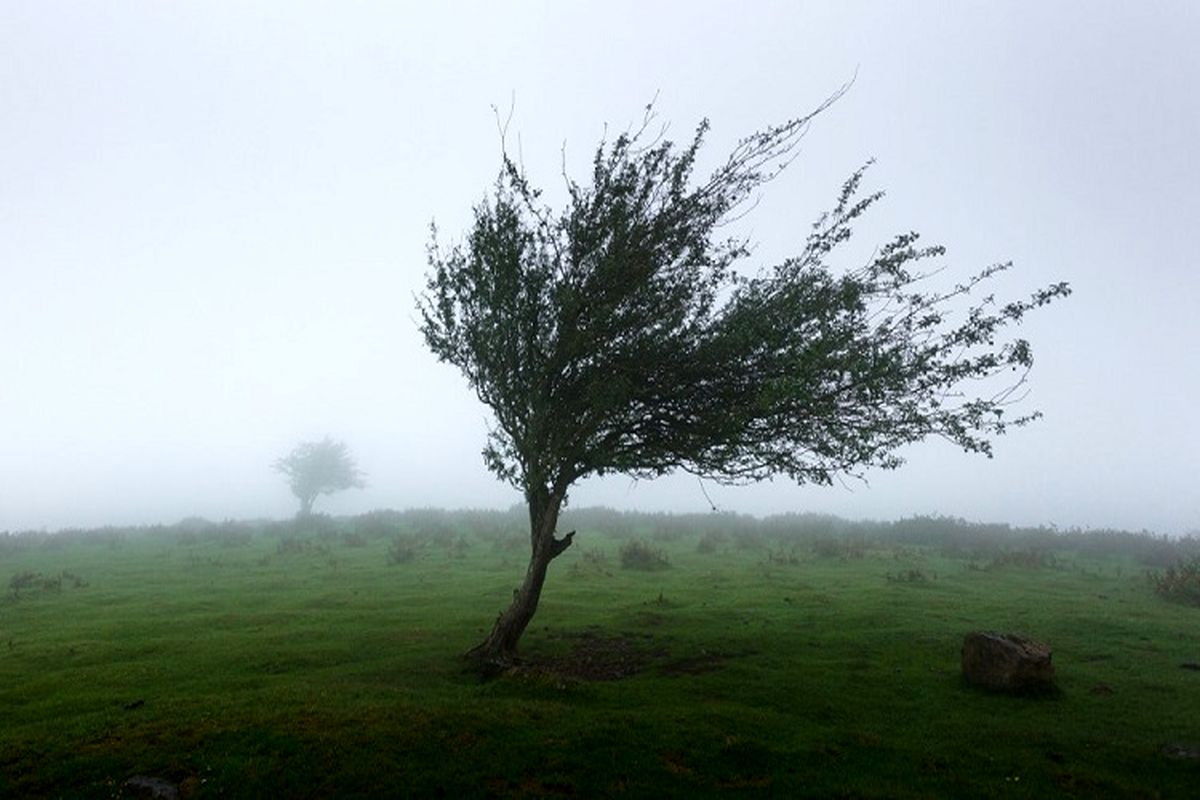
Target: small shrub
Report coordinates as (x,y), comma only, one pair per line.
(354,540)
(378,524)
(710,541)
(74,580)
(298,545)
(192,531)
(749,540)
(37,582)
(27,581)
(292,545)
(458,546)
(591,562)
(639,555)
(783,558)
(232,537)
(321,526)
(1025,559)
(831,547)
(1180,583)
(909,576)
(508,541)
(402,550)
(668,531)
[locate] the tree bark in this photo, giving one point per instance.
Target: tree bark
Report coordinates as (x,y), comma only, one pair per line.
(499,649)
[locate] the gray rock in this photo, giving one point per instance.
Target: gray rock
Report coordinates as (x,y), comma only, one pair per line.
(155,788)
(1182,752)
(1006,662)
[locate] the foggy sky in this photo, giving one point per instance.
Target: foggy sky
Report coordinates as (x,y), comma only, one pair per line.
(213,218)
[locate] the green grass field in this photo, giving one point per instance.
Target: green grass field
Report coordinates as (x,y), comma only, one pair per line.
(258,661)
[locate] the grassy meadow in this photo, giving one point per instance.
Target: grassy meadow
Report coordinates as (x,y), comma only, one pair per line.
(672,656)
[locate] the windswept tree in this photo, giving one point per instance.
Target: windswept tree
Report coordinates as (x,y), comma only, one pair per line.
(316,468)
(617,335)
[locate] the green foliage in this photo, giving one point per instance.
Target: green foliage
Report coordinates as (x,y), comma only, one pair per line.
(1179,583)
(317,468)
(616,335)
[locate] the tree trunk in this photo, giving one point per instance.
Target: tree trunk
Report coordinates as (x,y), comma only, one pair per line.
(499,649)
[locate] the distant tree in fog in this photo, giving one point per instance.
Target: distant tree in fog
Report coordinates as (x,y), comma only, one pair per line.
(317,468)
(616,336)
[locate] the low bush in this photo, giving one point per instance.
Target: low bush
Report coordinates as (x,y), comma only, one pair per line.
(710,541)
(909,576)
(591,562)
(402,550)
(457,547)
(639,555)
(192,531)
(839,547)
(292,545)
(378,524)
(507,541)
(749,541)
(321,526)
(1180,582)
(354,540)
(13,543)
(28,581)
(1026,559)
(784,558)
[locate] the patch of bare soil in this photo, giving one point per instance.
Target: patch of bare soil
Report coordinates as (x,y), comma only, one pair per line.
(596,656)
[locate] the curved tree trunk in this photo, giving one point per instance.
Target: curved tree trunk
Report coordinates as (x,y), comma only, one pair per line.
(499,649)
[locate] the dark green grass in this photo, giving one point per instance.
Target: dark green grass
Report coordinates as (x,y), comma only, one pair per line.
(786,668)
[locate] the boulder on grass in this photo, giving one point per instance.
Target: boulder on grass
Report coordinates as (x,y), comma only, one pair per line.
(1006,662)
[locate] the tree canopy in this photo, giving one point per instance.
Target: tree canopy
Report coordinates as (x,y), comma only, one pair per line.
(316,468)
(622,333)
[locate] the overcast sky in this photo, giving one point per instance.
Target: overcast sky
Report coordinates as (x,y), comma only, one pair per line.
(213,219)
